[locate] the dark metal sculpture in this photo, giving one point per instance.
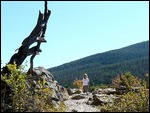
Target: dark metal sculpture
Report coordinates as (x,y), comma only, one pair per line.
(36,36)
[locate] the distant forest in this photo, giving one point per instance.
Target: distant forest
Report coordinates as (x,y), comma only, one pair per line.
(103,67)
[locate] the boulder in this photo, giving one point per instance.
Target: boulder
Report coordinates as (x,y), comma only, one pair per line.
(70,92)
(77,97)
(41,74)
(99,99)
(64,93)
(77,92)
(107,91)
(45,74)
(121,90)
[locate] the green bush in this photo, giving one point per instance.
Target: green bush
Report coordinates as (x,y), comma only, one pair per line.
(127,80)
(146,80)
(17,80)
(103,86)
(23,100)
(93,88)
(130,102)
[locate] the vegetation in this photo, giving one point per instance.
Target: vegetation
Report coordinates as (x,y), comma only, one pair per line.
(25,99)
(93,88)
(127,80)
(103,67)
(103,86)
(78,84)
(39,100)
(17,80)
(146,80)
(131,101)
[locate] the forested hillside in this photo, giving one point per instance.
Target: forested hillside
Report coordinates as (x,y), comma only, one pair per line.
(102,67)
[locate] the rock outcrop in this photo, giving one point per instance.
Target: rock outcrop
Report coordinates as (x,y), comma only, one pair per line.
(59,93)
(74,99)
(89,102)
(41,83)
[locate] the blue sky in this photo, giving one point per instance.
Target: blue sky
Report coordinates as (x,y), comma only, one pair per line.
(75,29)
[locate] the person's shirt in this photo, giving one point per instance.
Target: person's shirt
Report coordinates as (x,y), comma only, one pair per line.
(85,81)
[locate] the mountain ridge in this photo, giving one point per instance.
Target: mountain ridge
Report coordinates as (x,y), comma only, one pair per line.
(98,54)
(96,62)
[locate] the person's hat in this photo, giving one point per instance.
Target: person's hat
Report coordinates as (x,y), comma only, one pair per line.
(85,74)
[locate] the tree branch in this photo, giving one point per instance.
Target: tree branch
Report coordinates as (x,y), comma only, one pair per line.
(37,35)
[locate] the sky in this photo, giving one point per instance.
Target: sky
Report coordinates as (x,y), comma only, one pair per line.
(75,29)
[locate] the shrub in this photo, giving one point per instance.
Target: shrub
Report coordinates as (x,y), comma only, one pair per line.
(127,80)
(146,80)
(23,100)
(130,102)
(17,79)
(103,86)
(93,88)
(78,84)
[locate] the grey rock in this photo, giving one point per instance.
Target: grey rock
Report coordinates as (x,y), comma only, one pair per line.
(77,96)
